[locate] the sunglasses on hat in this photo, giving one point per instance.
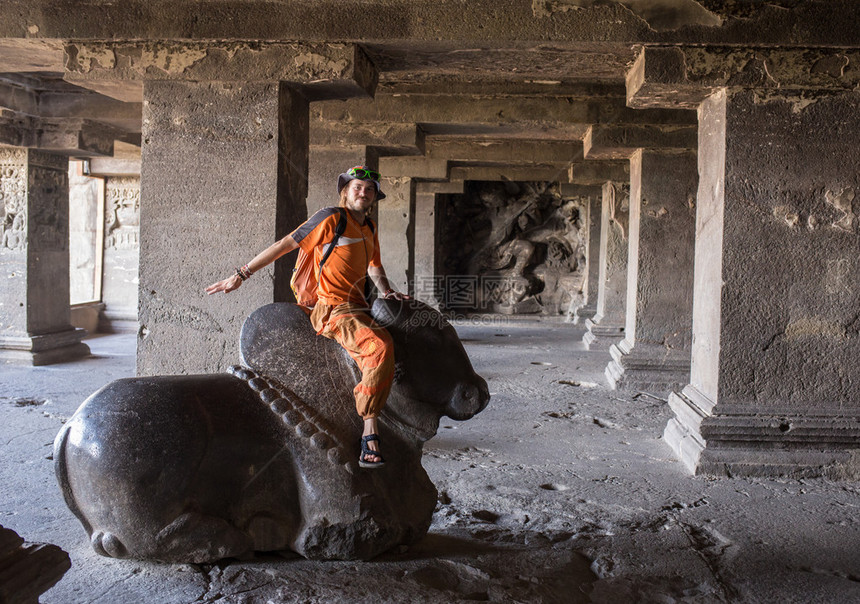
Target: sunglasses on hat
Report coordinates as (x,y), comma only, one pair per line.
(363,173)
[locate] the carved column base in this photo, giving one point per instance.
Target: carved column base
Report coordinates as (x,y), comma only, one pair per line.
(648,368)
(601,334)
(749,442)
(44,349)
(583,313)
(118,320)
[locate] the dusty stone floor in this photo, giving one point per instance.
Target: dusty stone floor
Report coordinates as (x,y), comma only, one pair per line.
(560,491)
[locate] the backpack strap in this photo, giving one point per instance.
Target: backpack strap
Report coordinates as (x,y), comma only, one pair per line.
(369,223)
(338,231)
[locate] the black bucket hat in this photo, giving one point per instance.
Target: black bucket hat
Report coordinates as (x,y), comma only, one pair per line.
(360,173)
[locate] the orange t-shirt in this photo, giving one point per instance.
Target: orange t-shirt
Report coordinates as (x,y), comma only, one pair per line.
(343,274)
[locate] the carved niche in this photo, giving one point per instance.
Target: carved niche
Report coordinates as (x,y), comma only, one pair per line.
(511,248)
(13,199)
(122,213)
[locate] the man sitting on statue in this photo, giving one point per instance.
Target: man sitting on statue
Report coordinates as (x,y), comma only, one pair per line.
(341,312)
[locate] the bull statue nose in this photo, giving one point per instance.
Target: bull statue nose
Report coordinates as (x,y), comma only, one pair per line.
(468,400)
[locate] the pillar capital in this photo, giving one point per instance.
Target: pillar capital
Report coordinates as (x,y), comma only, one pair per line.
(323,70)
(114,166)
(683,76)
(78,137)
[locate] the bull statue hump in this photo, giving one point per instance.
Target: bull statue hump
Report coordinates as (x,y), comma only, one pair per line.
(264,458)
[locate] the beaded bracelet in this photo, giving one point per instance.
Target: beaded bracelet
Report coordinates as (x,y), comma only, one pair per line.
(244,273)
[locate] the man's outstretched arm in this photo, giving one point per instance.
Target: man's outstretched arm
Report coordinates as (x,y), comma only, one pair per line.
(261,260)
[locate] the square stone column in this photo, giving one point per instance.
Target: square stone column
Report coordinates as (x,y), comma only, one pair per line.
(397,230)
(121,254)
(655,352)
(591,212)
(424,277)
(426,285)
(35,316)
(223,176)
(400,177)
(607,326)
(775,376)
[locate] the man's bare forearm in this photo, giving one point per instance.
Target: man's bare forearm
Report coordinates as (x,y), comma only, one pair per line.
(272,253)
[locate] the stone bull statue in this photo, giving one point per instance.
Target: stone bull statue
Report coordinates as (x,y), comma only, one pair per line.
(203,467)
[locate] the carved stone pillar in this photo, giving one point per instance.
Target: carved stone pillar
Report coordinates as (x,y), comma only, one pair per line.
(426,282)
(214,198)
(121,255)
(397,229)
(423,279)
(607,326)
(775,377)
(655,352)
(400,176)
(591,212)
(35,316)
(224,174)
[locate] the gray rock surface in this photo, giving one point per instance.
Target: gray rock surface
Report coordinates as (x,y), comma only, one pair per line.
(557,475)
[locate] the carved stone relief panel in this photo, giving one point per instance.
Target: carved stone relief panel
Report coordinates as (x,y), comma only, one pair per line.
(122,213)
(619,223)
(512,248)
(49,207)
(13,199)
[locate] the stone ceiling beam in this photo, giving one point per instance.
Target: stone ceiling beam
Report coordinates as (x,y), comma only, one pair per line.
(444,84)
(113,166)
(399,139)
(505,150)
(597,172)
(443,188)
(511,131)
(468,109)
(628,21)
(30,55)
(683,76)
(84,104)
(414,167)
(620,142)
(18,99)
(79,138)
(583,173)
(321,70)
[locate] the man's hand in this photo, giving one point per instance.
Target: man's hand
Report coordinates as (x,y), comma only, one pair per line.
(395,295)
(225,285)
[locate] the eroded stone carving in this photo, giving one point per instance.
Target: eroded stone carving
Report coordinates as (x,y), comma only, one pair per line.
(843,201)
(122,213)
(49,190)
(199,468)
(13,199)
(523,244)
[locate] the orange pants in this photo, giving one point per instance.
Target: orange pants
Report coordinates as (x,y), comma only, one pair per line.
(368,343)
